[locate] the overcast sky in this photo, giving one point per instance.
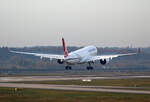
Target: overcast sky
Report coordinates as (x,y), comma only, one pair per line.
(102,23)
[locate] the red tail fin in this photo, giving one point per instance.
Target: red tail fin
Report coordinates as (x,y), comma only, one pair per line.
(64,48)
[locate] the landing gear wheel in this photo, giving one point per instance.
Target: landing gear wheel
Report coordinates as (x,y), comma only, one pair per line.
(68,68)
(89,68)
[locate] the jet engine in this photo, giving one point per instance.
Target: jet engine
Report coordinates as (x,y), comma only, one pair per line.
(60,61)
(103,61)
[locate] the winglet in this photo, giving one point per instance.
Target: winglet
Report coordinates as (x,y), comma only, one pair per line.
(64,48)
(8,49)
(139,50)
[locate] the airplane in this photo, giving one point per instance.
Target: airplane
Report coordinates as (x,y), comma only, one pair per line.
(84,55)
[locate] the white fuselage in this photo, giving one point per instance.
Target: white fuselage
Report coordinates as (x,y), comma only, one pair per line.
(81,55)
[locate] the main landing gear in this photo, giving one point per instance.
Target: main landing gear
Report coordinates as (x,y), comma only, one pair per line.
(89,67)
(68,68)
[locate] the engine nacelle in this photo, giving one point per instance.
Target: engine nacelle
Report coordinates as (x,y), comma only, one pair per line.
(60,61)
(103,61)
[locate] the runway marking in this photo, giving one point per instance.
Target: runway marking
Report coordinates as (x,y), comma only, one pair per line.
(48,78)
(71,87)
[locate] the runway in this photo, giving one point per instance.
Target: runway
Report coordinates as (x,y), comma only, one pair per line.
(74,88)
(49,78)
(8,82)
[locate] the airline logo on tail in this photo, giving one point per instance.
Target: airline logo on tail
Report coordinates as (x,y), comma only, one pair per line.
(64,48)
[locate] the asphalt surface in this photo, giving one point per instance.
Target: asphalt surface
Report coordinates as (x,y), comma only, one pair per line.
(49,78)
(73,87)
(8,82)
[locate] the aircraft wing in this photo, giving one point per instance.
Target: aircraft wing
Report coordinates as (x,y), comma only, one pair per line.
(109,57)
(50,56)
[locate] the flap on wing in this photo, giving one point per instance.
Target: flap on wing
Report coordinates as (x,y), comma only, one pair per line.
(50,56)
(109,57)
